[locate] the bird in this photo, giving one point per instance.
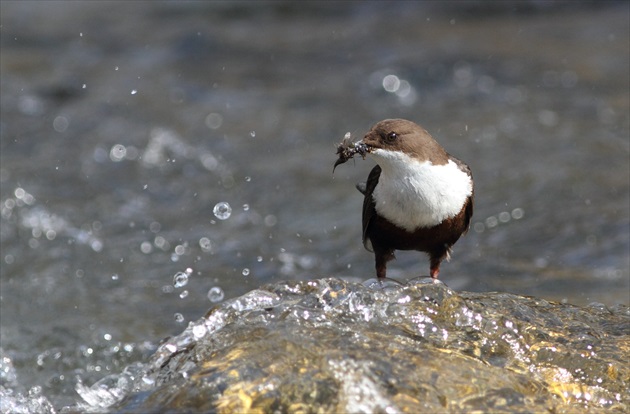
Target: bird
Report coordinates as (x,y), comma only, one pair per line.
(417,197)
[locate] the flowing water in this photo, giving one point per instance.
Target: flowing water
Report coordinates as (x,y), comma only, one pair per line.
(157,159)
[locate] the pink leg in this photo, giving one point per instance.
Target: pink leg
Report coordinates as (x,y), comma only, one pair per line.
(435,271)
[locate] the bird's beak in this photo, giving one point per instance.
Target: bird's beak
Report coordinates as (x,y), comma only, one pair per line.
(371,140)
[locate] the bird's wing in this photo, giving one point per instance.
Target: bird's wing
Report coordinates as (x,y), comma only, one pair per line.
(368,203)
(469,206)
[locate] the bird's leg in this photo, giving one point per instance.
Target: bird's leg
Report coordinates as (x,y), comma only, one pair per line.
(382,257)
(435,268)
(381,269)
(436,259)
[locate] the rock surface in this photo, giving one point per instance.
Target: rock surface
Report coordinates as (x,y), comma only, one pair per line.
(334,346)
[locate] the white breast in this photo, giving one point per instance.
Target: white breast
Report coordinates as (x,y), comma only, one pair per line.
(413,194)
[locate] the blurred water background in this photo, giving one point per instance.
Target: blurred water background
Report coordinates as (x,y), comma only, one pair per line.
(158,158)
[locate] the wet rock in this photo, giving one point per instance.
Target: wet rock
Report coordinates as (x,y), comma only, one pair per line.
(333,346)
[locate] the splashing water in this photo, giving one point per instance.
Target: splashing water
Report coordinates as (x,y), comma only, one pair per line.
(180,279)
(222,210)
(401,348)
(215,294)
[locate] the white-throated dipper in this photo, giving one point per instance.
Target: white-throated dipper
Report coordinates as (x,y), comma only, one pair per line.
(418,197)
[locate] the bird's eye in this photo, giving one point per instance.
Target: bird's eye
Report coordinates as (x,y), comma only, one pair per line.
(391,137)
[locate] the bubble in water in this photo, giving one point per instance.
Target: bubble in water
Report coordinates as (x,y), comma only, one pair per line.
(179,318)
(184,294)
(134,91)
(180,279)
(245,272)
(222,210)
(215,294)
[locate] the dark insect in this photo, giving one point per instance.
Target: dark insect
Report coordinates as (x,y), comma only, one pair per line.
(346,150)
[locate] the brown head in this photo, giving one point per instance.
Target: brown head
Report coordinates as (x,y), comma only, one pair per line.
(408,137)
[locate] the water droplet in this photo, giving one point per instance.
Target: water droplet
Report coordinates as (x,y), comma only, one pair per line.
(504,217)
(270,220)
(252,134)
(248,179)
(180,279)
(259,259)
(479,227)
(222,210)
(245,207)
(134,91)
(146,247)
(96,245)
(184,294)
(245,272)
(60,123)
(179,318)
(214,120)
(391,83)
(205,244)
(180,249)
(518,213)
(117,153)
(215,294)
